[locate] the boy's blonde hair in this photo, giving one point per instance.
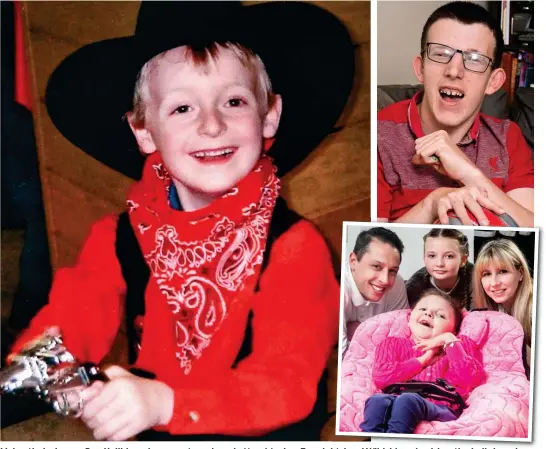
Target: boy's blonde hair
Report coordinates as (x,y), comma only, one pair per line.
(505,254)
(204,58)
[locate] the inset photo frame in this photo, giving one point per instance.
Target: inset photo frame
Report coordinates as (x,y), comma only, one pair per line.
(437,331)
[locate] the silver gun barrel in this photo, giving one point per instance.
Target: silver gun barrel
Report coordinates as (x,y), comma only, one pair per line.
(27,374)
(13,377)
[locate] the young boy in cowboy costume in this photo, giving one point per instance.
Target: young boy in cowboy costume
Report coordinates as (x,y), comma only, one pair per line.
(227,262)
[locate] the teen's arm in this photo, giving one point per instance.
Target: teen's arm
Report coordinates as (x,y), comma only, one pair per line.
(295,327)
(394,362)
(436,204)
(516,196)
(517,203)
(420,213)
(430,208)
(440,201)
(85,301)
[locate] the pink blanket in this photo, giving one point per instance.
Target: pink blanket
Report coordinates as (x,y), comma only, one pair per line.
(498,408)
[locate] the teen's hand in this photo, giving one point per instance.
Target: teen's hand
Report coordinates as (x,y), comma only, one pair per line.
(126,405)
(439,151)
(459,200)
(430,357)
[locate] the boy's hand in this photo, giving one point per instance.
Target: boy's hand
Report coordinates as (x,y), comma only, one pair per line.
(126,405)
(460,200)
(438,150)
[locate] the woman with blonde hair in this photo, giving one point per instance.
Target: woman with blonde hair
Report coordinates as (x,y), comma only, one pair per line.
(502,282)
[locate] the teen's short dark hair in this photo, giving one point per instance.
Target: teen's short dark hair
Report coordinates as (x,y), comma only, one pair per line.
(384,235)
(467,13)
(456,306)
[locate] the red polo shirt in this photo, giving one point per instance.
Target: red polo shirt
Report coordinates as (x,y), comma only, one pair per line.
(497,147)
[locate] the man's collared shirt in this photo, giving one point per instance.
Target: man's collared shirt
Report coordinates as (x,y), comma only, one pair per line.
(497,147)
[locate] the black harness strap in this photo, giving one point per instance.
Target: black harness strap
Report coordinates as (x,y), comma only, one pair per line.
(136,274)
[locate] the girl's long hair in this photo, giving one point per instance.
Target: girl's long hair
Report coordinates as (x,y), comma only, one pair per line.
(505,254)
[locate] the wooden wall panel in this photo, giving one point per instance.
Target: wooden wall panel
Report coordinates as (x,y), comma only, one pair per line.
(331,186)
(334,176)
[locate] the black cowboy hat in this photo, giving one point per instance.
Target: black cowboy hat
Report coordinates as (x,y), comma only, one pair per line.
(306,50)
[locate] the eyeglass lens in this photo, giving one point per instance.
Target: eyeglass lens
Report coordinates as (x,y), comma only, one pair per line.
(473,61)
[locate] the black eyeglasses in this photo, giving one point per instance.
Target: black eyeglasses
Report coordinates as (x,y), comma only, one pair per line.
(472,60)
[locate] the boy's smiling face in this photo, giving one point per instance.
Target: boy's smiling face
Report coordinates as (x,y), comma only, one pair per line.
(450,112)
(206,123)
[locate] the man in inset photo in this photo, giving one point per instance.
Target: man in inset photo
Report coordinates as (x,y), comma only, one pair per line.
(371,283)
(439,156)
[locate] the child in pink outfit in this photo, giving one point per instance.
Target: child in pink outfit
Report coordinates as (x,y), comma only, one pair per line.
(432,351)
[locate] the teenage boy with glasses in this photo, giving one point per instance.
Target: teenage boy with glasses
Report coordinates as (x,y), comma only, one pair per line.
(437,152)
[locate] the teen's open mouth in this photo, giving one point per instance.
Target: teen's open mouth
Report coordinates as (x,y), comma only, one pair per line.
(214,155)
(451,94)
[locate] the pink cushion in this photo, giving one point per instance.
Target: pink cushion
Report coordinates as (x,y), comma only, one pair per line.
(498,408)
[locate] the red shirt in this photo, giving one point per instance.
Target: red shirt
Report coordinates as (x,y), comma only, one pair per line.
(295,325)
(497,147)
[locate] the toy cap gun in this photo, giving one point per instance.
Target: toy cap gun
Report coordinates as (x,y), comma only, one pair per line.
(46,369)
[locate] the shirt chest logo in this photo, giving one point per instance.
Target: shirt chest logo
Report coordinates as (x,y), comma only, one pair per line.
(493,163)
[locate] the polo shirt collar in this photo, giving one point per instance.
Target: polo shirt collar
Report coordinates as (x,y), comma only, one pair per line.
(414,121)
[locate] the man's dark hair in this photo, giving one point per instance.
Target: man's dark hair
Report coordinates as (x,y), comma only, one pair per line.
(383,235)
(467,13)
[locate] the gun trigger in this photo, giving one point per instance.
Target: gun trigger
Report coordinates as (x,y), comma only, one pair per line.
(62,407)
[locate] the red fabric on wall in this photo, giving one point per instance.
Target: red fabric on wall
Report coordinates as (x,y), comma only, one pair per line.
(23,89)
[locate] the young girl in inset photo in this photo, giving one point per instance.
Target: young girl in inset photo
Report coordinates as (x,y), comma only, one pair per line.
(446,269)
(432,351)
(502,282)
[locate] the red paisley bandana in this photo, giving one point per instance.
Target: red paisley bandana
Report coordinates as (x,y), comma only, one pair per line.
(202,259)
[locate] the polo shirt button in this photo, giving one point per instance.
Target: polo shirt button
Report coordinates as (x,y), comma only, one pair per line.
(194,416)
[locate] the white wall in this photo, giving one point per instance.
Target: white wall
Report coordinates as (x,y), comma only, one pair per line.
(399,27)
(412,238)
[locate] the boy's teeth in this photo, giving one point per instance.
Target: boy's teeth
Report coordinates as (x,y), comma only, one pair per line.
(452,93)
(213,153)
